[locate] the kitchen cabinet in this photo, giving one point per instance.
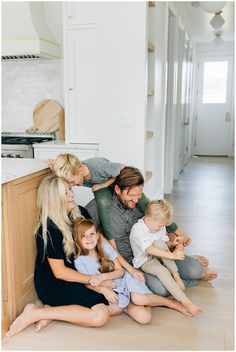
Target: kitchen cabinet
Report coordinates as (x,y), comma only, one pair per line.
(115,82)
(83,85)
(84,14)
(18,244)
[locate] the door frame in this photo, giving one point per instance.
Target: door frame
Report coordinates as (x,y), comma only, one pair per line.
(215,56)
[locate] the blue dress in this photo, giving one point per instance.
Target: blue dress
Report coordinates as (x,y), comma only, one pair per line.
(88,265)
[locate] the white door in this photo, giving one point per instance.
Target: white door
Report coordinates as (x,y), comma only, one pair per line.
(213,106)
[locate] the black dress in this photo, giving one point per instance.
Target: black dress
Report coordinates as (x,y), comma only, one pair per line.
(53,291)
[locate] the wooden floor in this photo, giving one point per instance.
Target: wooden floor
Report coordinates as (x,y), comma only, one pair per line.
(203,199)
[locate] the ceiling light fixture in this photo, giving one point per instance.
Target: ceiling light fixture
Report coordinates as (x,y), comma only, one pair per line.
(217,21)
(212,7)
(218,40)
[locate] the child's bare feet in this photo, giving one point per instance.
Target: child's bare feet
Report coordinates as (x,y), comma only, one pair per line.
(26,318)
(179,281)
(192,308)
(178,306)
(208,274)
(203,260)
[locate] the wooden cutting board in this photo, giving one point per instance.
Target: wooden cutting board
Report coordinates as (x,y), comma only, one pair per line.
(48,116)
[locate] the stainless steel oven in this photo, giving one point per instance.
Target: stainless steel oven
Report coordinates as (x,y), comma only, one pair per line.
(20,145)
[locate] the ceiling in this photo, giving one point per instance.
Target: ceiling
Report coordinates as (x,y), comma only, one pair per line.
(197,21)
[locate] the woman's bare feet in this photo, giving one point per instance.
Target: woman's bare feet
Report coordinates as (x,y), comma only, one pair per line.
(41,324)
(208,274)
(192,308)
(26,318)
(178,306)
(203,260)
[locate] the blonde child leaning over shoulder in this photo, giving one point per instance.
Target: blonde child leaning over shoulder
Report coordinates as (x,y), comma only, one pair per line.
(151,248)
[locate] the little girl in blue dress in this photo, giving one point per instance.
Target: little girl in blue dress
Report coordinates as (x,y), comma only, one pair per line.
(98,258)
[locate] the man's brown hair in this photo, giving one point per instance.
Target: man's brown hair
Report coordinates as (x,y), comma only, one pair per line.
(129,178)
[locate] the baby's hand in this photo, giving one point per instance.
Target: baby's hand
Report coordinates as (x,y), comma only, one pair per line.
(96,280)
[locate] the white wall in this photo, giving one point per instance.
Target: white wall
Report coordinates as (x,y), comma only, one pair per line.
(24,84)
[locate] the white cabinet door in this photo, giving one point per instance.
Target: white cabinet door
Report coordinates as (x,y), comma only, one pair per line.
(82,13)
(82,104)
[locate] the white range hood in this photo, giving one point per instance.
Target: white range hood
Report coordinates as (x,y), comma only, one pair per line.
(25,32)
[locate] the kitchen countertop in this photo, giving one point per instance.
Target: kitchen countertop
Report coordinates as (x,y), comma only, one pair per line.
(13,168)
(63,144)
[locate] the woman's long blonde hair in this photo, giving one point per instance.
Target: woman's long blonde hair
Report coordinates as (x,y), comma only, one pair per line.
(66,166)
(52,204)
(80,226)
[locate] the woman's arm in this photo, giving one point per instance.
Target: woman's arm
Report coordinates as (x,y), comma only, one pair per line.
(115,274)
(108,293)
(61,272)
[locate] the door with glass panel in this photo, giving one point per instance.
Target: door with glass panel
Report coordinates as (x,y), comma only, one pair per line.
(213,120)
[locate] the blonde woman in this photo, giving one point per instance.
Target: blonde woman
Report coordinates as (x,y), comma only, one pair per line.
(151,248)
(57,283)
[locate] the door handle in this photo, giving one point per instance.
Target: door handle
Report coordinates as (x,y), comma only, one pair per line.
(227,117)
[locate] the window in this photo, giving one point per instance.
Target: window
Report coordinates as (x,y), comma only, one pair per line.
(215,82)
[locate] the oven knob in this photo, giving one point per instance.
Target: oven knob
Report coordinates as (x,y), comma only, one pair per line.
(3,155)
(10,155)
(19,156)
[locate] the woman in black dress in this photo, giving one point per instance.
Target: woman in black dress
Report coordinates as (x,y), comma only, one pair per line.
(59,286)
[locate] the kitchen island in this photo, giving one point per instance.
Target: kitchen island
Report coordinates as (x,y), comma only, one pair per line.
(20,182)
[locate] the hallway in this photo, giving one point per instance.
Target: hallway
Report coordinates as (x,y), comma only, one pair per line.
(203,200)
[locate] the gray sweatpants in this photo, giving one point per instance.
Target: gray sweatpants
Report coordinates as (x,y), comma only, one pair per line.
(163,272)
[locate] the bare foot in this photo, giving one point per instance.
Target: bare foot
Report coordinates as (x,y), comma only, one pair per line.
(208,275)
(203,260)
(192,308)
(41,324)
(26,318)
(178,306)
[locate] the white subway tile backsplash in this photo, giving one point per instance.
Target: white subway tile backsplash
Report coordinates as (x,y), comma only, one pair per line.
(24,84)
